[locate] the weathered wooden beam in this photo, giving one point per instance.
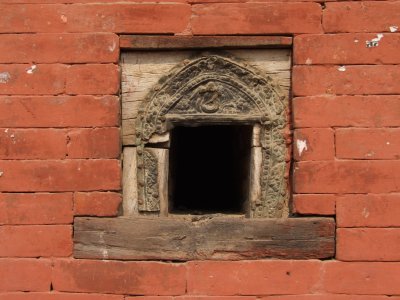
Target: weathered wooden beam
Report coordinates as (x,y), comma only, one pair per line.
(222,238)
(149,42)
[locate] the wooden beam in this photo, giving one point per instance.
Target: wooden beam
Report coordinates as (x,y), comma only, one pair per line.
(152,42)
(220,238)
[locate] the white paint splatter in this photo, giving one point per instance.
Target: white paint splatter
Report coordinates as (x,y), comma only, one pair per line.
(301,146)
(375,41)
(356,41)
(6,130)
(393,28)
(111,48)
(342,68)
(387,143)
(31,69)
(1,173)
(64,18)
(365,213)
(308,61)
(4,77)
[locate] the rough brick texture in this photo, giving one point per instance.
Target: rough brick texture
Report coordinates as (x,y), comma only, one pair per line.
(60,152)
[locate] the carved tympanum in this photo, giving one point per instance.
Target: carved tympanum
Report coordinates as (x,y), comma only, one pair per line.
(214,87)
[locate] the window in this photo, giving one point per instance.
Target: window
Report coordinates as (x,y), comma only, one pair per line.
(206,159)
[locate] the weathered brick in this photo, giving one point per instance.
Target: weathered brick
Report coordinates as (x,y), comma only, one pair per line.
(61,111)
(36,241)
(150,298)
(26,79)
(346,49)
(97,204)
(59,48)
(128,17)
(347,177)
(368,244)
(58,296)
(143,278)
(359,111)
(94,143)
(381,210)
(330,297)
(93,79)
(314,144)
(210,298)
(25,275)
(32,18)
(33,143)
(352,80)
(256,18)
(360,143)
(37,208)
(310,204)
(365,278)
(59,176)
(360,16)
(252,277)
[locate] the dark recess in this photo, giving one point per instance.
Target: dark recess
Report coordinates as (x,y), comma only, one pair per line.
(209,169)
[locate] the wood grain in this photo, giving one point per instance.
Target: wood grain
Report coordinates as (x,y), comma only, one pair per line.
(202,237)
(151,42)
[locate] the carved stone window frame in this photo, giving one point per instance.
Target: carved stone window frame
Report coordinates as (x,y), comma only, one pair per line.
(200,90)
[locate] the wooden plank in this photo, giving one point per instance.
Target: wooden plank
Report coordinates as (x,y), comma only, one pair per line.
(202,237)
(141,70)
(129,182)
(151,42)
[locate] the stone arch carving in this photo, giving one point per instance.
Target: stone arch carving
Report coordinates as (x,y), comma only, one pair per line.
(217,89)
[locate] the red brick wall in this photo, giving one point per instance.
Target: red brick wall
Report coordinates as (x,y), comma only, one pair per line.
(59,146)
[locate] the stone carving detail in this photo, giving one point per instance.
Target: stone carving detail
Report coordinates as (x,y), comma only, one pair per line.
(147,180)
(218,86)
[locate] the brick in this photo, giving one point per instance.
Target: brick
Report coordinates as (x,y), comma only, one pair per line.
(33,143)
(59,48)
(365,16)
(60,111)
(346,49)
(59,176)
(129,18)
(32,18)
(212,298)
(347,177)
(142,278)
(314,144)
(318,204)
(150,298)
(381,210)
(94,143)
(238,278)
(25,275)
(58,296)
(93,79)
(26,79)
(256,18)
(329,297)
(97,204)
(366,278)
(35,208)
(359,111)
(368,244)
(36,241)
(316,80)
(360,143)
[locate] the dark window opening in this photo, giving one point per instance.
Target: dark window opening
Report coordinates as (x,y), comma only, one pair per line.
(209,169)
